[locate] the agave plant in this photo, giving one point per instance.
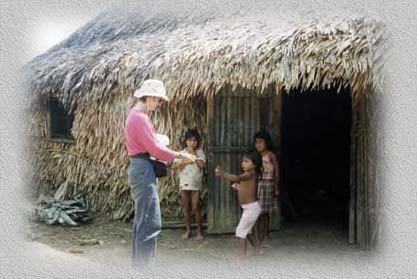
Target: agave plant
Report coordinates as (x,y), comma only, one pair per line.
(65,212)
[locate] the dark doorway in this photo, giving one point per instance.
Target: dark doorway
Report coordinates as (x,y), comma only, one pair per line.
(315,152)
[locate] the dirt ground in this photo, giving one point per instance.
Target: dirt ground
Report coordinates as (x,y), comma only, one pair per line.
(103,239)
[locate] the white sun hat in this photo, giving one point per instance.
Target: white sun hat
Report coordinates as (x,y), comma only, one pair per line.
(152,88)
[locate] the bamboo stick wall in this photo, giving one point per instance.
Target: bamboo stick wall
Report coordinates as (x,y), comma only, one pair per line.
(97,162)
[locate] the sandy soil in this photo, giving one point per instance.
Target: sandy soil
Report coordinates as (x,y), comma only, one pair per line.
(103,239)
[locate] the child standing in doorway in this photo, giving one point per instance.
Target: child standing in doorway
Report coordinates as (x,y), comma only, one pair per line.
(246,186)
(191,181)
(268,189)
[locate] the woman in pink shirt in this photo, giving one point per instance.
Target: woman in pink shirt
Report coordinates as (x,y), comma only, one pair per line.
(141,143)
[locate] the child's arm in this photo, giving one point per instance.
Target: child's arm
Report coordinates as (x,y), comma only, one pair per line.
(276,174)
(235,186)
(181,163)
(201,159)
(176,165)
(228,176)
(232,177)
(200,163)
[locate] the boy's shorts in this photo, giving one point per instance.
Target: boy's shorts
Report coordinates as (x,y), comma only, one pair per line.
(251,212)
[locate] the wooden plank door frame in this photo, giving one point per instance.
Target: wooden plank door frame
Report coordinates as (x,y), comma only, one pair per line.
(359,230)
(273,116)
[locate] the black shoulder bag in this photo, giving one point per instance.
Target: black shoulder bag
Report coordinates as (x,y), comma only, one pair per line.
(159,167)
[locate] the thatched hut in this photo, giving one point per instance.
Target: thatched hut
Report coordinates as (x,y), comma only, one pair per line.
(225,76)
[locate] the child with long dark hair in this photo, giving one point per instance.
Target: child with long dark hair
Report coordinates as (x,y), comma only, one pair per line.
(246,185)
(191,181)
(268,189)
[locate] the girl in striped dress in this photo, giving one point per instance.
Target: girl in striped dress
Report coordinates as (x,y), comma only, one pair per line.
(268,187)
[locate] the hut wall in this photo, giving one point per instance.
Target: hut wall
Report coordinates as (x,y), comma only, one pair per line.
(97,162)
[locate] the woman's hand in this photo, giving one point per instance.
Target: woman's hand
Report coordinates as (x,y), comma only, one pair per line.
(187,161)
(187,157)
(182,161)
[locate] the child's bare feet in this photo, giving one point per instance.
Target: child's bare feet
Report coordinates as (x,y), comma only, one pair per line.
(259,251)
(200,236)
(241,259)
(239,262)
(266,243)
(186,235)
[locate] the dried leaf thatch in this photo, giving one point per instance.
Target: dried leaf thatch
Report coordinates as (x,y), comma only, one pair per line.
(96,70)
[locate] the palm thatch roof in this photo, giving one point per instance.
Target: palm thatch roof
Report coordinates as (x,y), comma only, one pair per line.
(198,55)
(96,70)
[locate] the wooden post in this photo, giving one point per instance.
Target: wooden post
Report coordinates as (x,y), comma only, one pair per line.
(358,207)
(277,139)
(362,195)
(359,184)
(353,171)
(210,176)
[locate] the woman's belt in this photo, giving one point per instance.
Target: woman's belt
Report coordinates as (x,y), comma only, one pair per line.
(141,155)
